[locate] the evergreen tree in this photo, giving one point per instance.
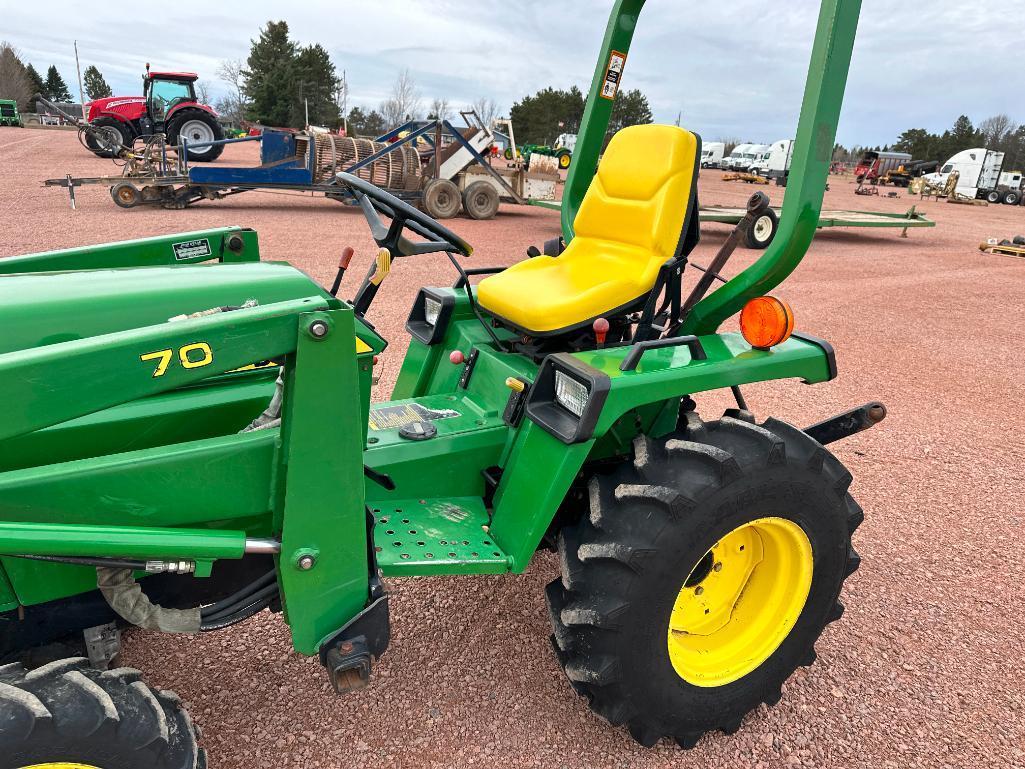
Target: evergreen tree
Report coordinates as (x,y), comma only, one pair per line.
(630,108)
(55,89)
(918,143)
(355,121)
(268,76)
(37,86)
(375,125)
(95,86)
(537,118)
(314,84)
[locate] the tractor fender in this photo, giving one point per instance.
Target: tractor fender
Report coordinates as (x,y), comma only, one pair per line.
(188,105)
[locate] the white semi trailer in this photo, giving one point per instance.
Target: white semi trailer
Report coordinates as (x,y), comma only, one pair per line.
(981,175)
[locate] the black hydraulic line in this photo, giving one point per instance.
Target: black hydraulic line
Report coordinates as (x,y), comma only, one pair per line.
(266,593)
(473,303)
(113,563)
(739,396)
(234,619)
(242,593)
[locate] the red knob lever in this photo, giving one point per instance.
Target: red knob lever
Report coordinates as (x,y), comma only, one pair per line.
(601,329)
(456,357)
(343,263)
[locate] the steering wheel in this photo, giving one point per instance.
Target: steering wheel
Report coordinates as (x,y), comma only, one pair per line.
(375,201)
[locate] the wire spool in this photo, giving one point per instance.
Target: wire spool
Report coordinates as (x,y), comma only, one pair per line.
(398,169)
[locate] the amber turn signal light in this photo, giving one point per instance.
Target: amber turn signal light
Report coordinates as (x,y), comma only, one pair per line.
(766,321)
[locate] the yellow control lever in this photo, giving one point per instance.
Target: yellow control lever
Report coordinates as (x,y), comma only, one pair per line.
(383,267)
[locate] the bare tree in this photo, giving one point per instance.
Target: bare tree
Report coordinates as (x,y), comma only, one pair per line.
(730,142)
(486,109)
(203,91)
(14,81)
(994,130)
(441,109)
(405,102)
(232,72)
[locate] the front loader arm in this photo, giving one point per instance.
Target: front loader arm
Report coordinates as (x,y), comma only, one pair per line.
(314,502)
(58,382)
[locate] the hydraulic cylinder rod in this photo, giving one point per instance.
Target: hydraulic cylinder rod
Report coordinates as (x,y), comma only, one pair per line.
(121,541)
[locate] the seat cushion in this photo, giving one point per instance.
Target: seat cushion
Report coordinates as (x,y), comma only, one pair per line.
(547,294)
(629,224)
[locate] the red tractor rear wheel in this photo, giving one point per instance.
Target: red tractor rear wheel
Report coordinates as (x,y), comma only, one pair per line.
(196,126)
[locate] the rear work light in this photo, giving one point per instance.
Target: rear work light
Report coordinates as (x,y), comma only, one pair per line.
(432,309)
(766,321)
(570,394)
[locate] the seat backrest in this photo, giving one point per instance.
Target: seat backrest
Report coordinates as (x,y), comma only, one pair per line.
(644,193)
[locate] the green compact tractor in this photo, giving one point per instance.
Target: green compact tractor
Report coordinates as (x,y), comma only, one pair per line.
(563,155)
(9,114)
(189,439)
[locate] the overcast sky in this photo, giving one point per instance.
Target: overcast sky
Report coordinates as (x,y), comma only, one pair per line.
(734,69)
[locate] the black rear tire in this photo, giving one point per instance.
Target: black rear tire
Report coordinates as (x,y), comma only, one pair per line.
(651,521)
(441,199)
(66,712)
(1011,198)
(186,116)
(480,200)
(993,196)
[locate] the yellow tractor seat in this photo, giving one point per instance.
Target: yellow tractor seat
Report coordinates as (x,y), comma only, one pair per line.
(638,213)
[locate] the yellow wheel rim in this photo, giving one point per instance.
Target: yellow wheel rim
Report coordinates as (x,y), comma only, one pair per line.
(740,601)
(564,161)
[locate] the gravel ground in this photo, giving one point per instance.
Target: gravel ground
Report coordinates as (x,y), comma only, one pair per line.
(924,669)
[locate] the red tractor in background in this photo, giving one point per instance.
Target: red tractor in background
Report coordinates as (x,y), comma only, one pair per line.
(168,105)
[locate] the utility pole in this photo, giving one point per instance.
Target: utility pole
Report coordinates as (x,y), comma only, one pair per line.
(345,104)
(81,94)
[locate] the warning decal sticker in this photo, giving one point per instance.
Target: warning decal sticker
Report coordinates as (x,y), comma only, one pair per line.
(394,417)
(613,75)
(190,249)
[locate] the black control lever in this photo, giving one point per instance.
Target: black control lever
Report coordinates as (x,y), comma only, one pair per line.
(757,205)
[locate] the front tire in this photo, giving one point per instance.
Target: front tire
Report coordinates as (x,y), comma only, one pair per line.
(66,713)
(662,536)
(114,134)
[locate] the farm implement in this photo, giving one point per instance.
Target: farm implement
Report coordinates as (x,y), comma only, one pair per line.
(431,163)
(190,440)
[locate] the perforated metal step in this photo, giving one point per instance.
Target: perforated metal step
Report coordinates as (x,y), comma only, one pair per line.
(435,536)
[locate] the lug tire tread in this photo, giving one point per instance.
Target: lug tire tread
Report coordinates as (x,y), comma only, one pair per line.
(617,542)
(67,711)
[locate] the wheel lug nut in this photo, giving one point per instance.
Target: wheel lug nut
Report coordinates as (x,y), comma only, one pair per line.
(699,590)
(717,567)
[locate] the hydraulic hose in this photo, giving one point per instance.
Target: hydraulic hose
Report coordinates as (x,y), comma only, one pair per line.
(234,619)
(125,596)
(238,595)
(266,593)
